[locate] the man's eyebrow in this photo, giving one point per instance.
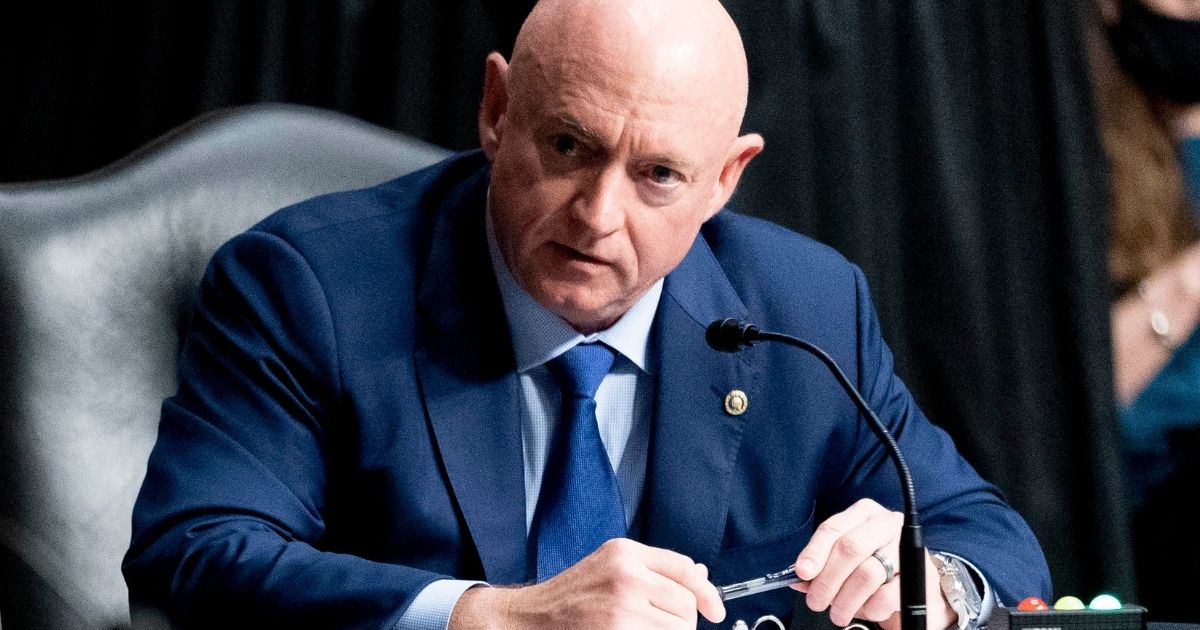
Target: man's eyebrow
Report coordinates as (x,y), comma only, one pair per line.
(673,163)
(593,138)
(585,133)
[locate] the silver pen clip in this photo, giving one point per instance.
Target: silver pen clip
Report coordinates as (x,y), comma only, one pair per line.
(768,582)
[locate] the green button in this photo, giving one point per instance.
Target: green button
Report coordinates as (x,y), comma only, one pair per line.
(1105,602)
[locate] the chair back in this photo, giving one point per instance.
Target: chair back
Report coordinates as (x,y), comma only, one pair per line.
(96,277)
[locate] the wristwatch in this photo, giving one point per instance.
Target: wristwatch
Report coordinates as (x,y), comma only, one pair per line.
(958,585)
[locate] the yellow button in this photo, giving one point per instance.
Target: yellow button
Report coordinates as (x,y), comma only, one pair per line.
(736,402)
(1070,602)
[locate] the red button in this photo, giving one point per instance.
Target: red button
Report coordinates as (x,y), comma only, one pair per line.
(1033,603)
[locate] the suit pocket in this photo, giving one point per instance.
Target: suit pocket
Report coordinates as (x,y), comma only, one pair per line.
(756,559)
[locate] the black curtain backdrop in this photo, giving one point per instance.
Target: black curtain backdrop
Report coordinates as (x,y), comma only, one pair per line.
(948,147)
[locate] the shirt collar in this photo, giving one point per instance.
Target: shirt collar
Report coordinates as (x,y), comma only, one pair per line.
(539,335)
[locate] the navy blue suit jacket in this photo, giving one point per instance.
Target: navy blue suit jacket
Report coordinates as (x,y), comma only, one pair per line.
(346,428)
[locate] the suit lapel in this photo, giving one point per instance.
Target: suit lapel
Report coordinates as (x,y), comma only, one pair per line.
(694,442)
(467,375)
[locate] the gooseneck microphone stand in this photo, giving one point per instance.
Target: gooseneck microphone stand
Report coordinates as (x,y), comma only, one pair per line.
(731,335)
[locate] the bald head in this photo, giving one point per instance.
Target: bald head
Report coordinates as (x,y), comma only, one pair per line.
(648,49)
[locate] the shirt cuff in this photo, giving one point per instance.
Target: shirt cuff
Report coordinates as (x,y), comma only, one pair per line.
(433,605)
(987,596)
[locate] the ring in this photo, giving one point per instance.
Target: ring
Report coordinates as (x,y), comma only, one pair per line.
(889,569)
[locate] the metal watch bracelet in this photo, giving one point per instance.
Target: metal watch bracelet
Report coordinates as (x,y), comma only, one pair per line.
(958,586)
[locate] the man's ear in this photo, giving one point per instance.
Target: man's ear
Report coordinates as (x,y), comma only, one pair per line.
(494,109)
(743,150)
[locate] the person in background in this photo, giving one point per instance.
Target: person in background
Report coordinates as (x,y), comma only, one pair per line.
(1148,87)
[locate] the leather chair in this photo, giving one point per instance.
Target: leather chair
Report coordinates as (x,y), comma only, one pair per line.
(96,275)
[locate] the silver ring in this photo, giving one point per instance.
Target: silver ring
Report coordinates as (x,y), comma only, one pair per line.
(889,570)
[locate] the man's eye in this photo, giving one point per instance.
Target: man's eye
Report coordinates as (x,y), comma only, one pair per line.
(663,175)
(566,145)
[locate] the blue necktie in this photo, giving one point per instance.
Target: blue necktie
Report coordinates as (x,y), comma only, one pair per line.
(579,506)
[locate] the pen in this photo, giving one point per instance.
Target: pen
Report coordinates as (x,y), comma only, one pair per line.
(768,582)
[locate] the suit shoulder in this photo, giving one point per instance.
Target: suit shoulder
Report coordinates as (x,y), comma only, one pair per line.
(790,282)
(752,245)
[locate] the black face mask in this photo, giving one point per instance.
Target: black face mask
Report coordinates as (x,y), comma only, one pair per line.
(1162,53)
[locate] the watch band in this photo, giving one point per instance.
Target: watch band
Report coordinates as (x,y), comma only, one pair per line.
(959,588)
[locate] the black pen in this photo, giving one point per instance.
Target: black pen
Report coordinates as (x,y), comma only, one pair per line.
(768,582)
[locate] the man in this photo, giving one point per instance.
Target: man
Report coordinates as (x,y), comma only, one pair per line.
(370,422)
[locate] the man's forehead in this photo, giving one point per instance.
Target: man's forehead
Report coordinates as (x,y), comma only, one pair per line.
(593,101)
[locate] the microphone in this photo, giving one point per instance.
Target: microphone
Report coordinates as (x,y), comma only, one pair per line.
(732,335)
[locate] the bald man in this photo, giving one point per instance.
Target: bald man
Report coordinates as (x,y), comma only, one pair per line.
(369,428)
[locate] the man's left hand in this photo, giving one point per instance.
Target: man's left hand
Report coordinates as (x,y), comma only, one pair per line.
(845,578)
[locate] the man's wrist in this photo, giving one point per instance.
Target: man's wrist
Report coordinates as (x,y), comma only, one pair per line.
(481,607)
(959,590)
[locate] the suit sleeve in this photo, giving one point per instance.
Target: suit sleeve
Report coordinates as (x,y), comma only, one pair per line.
(228,524)
(960,512)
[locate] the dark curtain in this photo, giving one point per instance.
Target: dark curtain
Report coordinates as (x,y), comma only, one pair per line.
(949,148)
(83,84)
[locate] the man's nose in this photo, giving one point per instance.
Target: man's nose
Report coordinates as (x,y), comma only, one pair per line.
(600,205)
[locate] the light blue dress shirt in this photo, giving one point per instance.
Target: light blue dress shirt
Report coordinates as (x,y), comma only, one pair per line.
(622,410)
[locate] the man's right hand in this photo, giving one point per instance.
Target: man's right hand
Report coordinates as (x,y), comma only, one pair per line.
(623,584)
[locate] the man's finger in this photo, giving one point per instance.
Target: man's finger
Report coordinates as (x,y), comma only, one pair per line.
(883,604)
(850,572)
(864,584)
(671,597)
(813,557)
(655,618)
(692,576)
(709,603)
(880,532)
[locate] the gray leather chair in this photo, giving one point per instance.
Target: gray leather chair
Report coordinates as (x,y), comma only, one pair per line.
(96,274)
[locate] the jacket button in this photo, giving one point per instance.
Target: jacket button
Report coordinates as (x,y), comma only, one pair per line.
(736,402)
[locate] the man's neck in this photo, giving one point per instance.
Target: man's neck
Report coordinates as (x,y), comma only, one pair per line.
(539,335)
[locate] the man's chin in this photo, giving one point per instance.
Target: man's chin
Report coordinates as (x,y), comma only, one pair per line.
(583,314)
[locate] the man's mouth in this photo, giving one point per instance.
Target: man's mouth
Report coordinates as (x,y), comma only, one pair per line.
(570,253)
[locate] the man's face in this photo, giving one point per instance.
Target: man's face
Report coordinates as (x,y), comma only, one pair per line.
(600,184)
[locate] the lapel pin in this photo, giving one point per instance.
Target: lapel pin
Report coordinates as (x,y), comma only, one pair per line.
(736,402)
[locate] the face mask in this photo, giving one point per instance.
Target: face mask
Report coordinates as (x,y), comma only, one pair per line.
(1162,53)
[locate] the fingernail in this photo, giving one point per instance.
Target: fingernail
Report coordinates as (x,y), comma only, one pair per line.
(806,568)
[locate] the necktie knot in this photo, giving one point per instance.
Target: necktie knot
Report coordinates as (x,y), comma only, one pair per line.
(580,369)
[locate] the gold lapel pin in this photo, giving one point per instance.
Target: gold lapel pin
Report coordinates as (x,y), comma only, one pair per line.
(736,402)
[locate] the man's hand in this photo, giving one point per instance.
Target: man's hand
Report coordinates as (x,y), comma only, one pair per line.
(846,579)
(623,584)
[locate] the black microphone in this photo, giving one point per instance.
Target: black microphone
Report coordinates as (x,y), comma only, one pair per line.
(732,335)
